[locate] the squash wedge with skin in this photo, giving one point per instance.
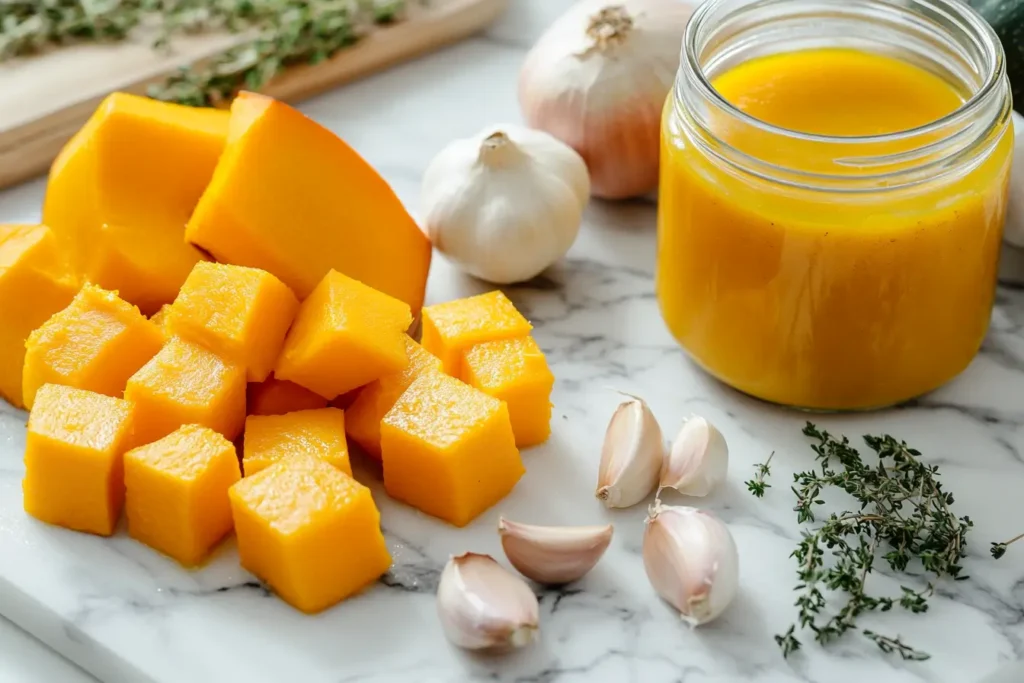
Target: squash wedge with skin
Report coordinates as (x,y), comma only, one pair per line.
(290,197)
(123,188)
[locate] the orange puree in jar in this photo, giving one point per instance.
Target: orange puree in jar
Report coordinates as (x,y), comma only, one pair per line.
(809,295)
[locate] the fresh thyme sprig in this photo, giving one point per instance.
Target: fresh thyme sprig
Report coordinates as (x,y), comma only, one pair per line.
(999,549)
(904,514)
(289,32)
(757,485)
(284,33)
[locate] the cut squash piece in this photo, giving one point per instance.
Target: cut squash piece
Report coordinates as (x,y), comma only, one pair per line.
(277,396)
(123,188)
(74,464)
(187,384)
(451,328)
(516,372)
(448,449)
(241,314)
(33,286)
(272,438)
(96,343)
(363,416)
(310,531)
(290,197)
(345,335)
(176,492)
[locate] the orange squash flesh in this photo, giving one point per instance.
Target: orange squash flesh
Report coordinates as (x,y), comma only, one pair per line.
(277,396)
(176,492)
(187,384)
(74,466)
(96,343)
(310,531)
(123,188)
(33,286)
(451,328)
(448,449)
(516,372)
(273,438)
(363,417)
(241,314)
(290,197)
(345,335)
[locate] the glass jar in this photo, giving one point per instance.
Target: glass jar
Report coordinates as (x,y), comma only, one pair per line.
(825,271)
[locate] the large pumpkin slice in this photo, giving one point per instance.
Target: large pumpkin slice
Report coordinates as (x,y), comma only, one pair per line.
(122,189)
(290,197)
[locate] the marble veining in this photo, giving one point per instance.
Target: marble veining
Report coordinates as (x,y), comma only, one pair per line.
(127,614)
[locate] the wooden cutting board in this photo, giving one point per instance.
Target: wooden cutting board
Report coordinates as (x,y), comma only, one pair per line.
(46,98)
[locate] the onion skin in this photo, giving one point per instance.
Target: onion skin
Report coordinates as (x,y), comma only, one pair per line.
(606,100)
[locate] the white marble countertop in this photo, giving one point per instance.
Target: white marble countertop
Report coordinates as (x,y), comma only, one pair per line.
(597,320)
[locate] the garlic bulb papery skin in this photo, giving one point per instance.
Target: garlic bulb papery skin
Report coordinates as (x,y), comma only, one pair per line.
(598,79)
(631,457)
(506,203)
(483,606)
(553,555)
(1013,232)
(691,561)
(698,461)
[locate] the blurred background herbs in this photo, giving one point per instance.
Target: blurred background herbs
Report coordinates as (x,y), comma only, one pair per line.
(284,33)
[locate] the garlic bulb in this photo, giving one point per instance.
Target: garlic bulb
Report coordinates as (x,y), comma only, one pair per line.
(483,606)
(698,460)
(691,561)
(506,203)
(553,554)
(597,80)
(1014,230)
(631,456)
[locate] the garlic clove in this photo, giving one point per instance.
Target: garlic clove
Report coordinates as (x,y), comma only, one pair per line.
(631,457)
(553,554)
(691,561)
(698,460)
(483,606)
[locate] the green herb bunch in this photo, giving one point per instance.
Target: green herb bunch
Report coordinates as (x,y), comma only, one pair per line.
(283,33)
(903,516)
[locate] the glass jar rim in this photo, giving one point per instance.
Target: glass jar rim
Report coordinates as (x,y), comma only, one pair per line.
(944,35)
(960,8)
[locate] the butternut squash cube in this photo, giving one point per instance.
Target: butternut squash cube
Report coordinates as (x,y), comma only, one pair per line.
(345,335)
(516,372)
(272,438)
(160,318)
(176,492)
(451,328)
(448,449)
(346,399)
(290,197)
(123,188)
(96,343)
(277,396)
(184,384)
(33,286)
(362,419)
(241,314)
(74,464)
(310,531)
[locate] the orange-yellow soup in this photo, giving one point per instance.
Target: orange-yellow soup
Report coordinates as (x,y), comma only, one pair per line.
(822,299)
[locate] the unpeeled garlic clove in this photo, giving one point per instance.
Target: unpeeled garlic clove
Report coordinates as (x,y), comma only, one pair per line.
(553,554)
(691,561)
(698,460)
(631,457)
(483,606)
